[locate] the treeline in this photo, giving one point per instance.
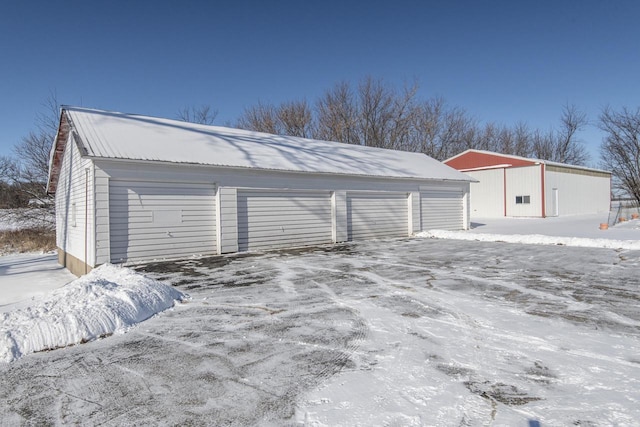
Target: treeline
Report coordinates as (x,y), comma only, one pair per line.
(376,114)
(13,196)
(23,175)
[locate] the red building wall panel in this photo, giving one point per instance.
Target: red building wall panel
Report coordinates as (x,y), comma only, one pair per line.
(472,160)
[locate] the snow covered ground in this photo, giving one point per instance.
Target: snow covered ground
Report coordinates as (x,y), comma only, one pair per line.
(107,300)
(399,332)
(580,230)
(27,277)
(13,219)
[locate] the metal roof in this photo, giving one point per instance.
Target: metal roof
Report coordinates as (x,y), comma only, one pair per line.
(532,161)
(112,135)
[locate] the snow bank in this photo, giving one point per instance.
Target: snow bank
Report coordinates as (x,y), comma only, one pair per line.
(17,219)
(533,239)
(110,299)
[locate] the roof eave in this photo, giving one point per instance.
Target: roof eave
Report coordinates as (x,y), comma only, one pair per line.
(57,151)
(207,165)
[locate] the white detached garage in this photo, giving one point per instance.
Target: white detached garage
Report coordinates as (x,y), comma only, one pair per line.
(134,188)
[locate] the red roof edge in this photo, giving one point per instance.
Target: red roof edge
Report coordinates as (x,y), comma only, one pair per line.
(472,159)
(55,162)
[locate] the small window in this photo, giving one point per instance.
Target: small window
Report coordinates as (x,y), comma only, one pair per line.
(523,200)
(73,214)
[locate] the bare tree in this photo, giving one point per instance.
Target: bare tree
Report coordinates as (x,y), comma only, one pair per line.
(27,170)
(203,115)
(542,145)
(337,115)
(260,118)
(295,119)
(428,123)
(379,115)
(620,148)
(487,138)
(375,112)
(562,145)
(521,140)
(569,149)
(441,131)
(289,118)
(375,115)
(405,108)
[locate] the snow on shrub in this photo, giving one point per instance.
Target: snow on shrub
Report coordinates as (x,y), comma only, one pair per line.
(108,300)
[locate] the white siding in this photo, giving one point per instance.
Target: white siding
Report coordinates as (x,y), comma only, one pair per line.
(74,205)
(487,195)
(161,220)
(279,218)
(443,209)
(251,178)
(577,193)
(339,216)
(414,212)
(227,220)
(333,187)
(102,233)
(524,181)
(375,215)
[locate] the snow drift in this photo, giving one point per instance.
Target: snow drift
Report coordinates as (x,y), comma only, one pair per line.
(108,300)
(533,239)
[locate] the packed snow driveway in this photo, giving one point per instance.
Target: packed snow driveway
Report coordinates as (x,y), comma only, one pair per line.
(398,332)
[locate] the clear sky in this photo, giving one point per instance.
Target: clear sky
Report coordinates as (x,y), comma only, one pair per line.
(503,61)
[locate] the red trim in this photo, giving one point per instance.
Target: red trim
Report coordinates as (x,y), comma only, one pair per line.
(544,210)
(473,159)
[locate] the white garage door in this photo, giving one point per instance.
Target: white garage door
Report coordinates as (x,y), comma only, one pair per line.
(276,219)
(377,215)
(442,209)
(150,220)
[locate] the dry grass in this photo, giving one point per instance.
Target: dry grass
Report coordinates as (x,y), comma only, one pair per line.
(27,240)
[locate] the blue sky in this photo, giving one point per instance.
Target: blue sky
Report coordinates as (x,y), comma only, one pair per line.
(502,61)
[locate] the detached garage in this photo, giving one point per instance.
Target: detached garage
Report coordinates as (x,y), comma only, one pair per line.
(513,186)
(132,188)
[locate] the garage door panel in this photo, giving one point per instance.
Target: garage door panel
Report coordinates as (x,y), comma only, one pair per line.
(154,234)
(377,215)
(265,218)
(141,252)
(267,238)
(275,219)
(161,219)
(442,209)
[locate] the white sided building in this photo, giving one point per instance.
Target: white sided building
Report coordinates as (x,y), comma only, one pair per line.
(133,188)
(513,186)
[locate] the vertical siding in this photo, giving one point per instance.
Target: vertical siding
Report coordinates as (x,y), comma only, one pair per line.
(577,193)
(150,220)
(466,208)
(415,212)
(487,195)
(74,205)
(524,181)
(373,215)
(339,216)
(227,220)
(280,218)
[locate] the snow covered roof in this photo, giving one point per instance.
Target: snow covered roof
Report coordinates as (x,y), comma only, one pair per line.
(112,135)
